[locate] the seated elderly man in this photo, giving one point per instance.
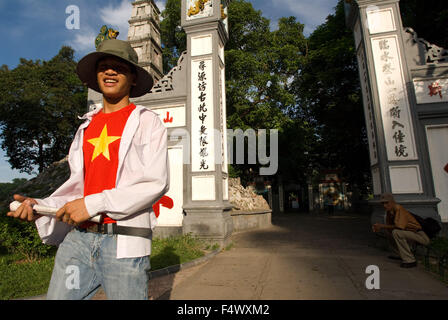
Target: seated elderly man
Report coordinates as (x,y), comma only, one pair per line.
(403,227)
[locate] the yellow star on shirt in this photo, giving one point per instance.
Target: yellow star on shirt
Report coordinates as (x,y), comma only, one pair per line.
(101,144)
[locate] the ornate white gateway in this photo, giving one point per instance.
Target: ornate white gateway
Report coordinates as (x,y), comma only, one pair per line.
(405,93)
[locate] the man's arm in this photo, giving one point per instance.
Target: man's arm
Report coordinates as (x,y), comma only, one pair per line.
(378,226)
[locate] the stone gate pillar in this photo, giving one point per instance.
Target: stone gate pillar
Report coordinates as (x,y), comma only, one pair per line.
(206,203)
(398,153)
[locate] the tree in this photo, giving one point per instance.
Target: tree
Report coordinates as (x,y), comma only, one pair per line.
(260,66)
(328,96)
(174,40)
(39,105)
(428,18)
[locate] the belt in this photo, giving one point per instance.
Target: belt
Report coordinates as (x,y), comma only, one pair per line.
(112,228)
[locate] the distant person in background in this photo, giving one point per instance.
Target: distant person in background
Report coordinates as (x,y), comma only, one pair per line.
(402,227)
(331,198)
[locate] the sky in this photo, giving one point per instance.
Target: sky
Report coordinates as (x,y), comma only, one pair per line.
(37,29)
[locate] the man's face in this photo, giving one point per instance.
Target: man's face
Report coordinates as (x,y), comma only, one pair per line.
(388,206)
(115,77)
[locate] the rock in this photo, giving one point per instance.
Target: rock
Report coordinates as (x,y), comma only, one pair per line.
(245,199)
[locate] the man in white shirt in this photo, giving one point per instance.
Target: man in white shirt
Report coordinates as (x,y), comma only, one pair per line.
(119,169)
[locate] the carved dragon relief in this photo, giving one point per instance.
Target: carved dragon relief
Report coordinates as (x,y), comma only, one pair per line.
(106,33)
(434,54)
(199,6)
(166,83)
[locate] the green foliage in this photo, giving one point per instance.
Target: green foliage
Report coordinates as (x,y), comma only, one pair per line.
(21,238)
(175,250)
(24,279)
(439,246)
(40,102)
(234,172)
(20,278)
(260,67)
(17,237)
(329,97)
(174,40)
(7,189)
(428,18)
(260,64)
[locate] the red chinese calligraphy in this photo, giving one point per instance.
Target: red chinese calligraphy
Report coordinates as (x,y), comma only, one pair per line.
(435,89)
(168,118)
(165,201)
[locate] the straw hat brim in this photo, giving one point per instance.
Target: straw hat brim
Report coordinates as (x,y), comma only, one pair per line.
(86,70)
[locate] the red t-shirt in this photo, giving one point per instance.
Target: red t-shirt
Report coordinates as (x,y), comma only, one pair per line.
(100,146)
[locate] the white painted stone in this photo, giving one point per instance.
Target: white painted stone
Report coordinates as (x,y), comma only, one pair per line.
(393,95)
(139,51)
(173,217)
(172,117)
(221,53)
(380,20)
(437,136)
(201,45)
(223,109)
(422,90)
(405,179)
(225,188)
(203,188)
(376,181)
(196,122)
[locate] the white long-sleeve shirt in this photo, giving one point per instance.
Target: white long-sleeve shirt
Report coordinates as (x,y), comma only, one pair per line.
(142,179)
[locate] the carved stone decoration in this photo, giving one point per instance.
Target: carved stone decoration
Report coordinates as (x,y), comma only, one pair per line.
(106,33)
(166,83)
(199,9)
(434,54)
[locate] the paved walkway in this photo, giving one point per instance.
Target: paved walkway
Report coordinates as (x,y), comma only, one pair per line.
(302,256)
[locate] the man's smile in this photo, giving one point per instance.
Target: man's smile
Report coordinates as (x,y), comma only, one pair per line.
(110,82)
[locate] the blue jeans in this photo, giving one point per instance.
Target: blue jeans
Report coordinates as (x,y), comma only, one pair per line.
(85,261)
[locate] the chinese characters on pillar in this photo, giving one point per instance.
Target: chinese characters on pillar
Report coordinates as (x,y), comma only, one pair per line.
(393,99)
(202,116)
(202,78)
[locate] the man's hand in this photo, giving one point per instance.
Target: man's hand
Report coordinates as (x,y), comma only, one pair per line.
(25,211)
(376,227)
(73,213)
